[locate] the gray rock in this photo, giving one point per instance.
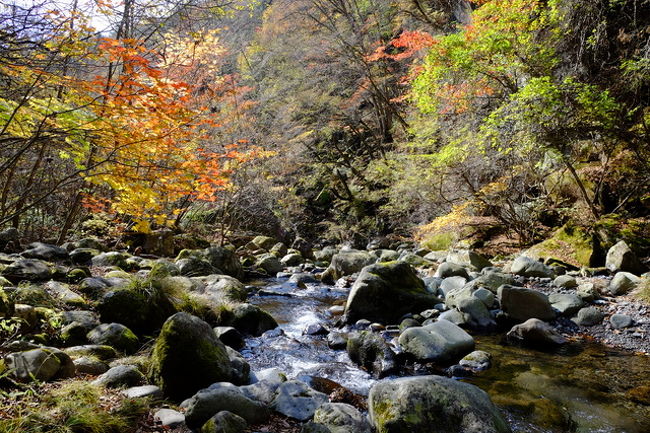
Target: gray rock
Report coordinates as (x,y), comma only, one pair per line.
(341,418)
(225,259)
(534,332)
(292,260)
(115,335)
(478,360)
(485,295)
(196,267)
(478,312)
(230,336)
(188,356)
(252,320)
(492,280)
(565,282)
(589,316)
(337,340)
(27,270)
(263,391)
(82,256)
(620,258)
(303,278)
(63,293)
(40,364)
(620,321)
(240,369)
(566,303)
(42,251)
(223,397)
(297,400)
(347,263)
(169,418)
(112,258)
(456,317)
(370,351)
(452,284)
(151,391)
(521,304)
(121,375)
(384,292)
(468,259)
(433,404)
(587,292)
(269,263)
(622,283)
(446,270)
(441,342)
(225,422)
(529,267)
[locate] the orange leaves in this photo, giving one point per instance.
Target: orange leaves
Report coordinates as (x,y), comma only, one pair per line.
(408,43)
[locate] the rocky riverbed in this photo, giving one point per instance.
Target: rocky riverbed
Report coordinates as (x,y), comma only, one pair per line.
(267,338)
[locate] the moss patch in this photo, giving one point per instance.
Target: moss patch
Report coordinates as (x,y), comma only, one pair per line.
(569,244)
(439,241)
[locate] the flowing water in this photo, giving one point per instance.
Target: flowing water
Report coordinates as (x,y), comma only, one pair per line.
(584,387)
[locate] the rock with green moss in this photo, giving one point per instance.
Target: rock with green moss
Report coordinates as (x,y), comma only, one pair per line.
(442,342)
(384,292)
(115,335)
(223,397)
(264,242)
(252,320)
(34,296)
(27,270)
(225,422)
(224,288)
(188,356)
(40,364)
(341,418)
(93,243)
(120,376)
(162,269)
(433,404)
(112,258)
(196,267)
(77,274)
(143,307)
(101,352)
(225,259)
(269,264)
(568,244)
(370,351)
(65,294)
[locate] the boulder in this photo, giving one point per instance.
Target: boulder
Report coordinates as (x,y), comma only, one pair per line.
(534,332)
(43,251)
(169,418)
(224,422)
(159,242)
(196,267)
(111,258)
(529,267)
(441,342)
(476,361)
(292,260)
(115,335)
(188,356)
(64,293)
(240,370)
(264,242)
(347,263)
(371,352)
(620,258)
(622,283)
(89,365)
(325,255)
(384,292)
(269,263)
(521,304)
(252,320)
(225,259)
(492,280)
(589,316)
(452,283)
(447,270)
(341,418)
(27,270)
(297,400)
(432,404)
(119,376)
(40,364)
(229,336)
(620,321)
(468,259)
(223,397)
(566,303)
(565,282)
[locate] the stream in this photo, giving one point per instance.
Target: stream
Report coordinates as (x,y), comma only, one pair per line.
(583,387)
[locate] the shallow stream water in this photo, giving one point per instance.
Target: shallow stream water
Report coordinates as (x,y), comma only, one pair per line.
(584,387)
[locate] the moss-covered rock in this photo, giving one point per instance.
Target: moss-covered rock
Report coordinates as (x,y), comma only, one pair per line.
(27,270)
(187,356)
(6,304)
(386,291)
(115,335)
(569,244)
(371,352)
(433,404)
(34,296)
(250,319)
(143,307)
(112,258)
(225,259)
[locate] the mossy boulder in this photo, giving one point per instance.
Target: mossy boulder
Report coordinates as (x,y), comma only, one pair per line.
(384,292)
(27,270)
(442,342)
(225,259)
(188,356)
(433,404)
(269,263)
(34,296)
(162,269)
(112,258)
(347,263)
(143,307)
(250,319)
(341,418)
(196,267)
(568,244)
(115,335)
(264,242)
(370,351)
(40,364)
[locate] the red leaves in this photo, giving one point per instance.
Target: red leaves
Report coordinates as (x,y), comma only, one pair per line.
(408,43)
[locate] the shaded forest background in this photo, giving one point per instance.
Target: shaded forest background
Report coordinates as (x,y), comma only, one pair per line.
(497,124)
